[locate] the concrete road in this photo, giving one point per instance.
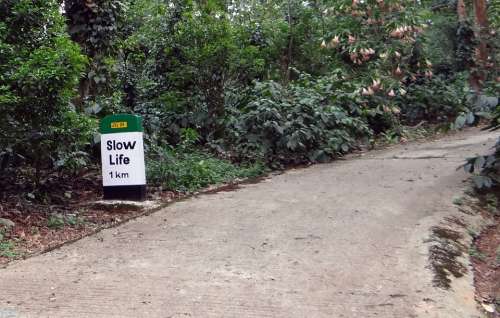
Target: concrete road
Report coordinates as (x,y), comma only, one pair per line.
(344,239)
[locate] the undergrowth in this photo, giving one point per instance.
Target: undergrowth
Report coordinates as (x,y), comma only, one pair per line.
(188,170)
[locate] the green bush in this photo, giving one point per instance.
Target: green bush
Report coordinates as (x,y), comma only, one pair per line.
(39,70)
(436,100)
(486,169)
(291,125)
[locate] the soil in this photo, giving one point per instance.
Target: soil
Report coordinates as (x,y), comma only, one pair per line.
(486,258)
(41,226)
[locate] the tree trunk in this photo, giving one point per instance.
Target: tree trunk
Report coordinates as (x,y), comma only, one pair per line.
(83,93)
(478,75)
(461,13)
(290,43)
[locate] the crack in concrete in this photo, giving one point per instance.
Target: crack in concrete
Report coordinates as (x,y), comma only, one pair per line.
(412,158)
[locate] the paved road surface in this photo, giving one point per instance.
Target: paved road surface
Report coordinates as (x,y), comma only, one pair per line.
(344,239)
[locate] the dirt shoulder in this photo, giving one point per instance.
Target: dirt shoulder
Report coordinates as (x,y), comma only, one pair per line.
(485,253)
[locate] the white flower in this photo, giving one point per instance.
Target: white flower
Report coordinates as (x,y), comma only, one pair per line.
(398,71)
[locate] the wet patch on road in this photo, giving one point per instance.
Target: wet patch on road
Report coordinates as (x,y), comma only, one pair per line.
(445,254)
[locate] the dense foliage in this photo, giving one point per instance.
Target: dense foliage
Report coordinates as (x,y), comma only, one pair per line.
(300,123)
(486,168)
(39,68)
(257,82)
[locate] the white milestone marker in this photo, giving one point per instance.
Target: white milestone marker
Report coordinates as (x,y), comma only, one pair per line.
(122,157)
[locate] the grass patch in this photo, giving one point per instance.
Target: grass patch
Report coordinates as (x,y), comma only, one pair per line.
(7,249)
(57,221)
(497,258)
(475,253)
(188,170)
(491,201)
(458,200)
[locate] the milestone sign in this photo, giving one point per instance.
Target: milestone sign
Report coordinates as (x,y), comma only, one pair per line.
(122,154)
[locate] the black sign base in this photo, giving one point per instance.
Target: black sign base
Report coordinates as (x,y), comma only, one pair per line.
(128,193)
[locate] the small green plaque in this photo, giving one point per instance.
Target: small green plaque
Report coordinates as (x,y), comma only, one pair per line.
(120,123)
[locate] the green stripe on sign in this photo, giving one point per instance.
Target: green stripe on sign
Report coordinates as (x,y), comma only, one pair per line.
(120,123)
